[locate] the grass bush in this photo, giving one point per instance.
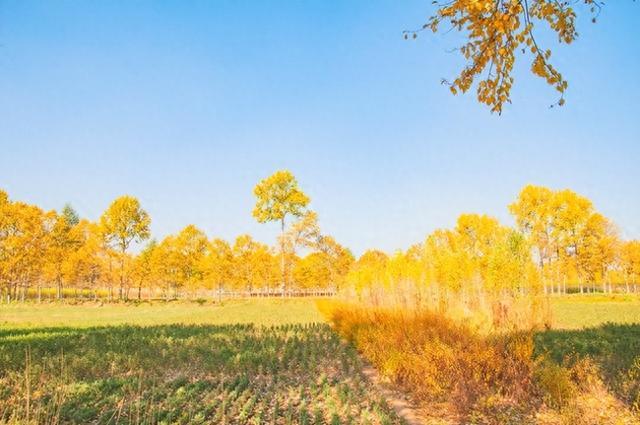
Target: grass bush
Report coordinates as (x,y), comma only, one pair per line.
(482,377)
(440,360)
(555,383)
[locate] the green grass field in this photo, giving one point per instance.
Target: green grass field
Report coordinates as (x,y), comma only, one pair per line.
(257,361)
(265,311)
(243,362)
(579,311)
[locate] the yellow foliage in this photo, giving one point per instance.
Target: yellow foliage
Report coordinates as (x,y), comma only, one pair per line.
(495,31)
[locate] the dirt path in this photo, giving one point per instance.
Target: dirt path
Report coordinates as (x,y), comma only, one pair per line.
(400,405)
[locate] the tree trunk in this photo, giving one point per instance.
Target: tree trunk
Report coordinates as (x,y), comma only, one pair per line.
(282,264)
(121,290)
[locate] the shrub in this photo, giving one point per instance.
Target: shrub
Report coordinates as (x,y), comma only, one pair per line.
(555,384)
(440,360)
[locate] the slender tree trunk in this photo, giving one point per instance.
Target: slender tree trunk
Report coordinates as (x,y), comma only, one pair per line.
(580,284)
(120,291)
(282,264)
(544,282)
(626,282)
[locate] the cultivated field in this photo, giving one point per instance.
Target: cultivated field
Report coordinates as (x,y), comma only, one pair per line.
(262,361)
(246,362)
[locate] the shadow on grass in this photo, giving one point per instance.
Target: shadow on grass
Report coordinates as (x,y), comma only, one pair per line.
(205,346)
(613,348)
(184,374)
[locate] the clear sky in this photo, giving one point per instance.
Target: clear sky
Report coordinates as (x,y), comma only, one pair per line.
(187,104)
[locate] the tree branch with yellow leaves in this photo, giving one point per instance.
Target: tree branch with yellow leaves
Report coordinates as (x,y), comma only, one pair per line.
(495,30)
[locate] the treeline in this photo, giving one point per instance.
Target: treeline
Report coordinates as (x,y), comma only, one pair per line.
(560,244)
(50,254)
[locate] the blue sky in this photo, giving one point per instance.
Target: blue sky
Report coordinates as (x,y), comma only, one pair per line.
(187,104)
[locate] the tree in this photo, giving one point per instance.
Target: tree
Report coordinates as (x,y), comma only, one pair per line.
(630,261)
(179,260)
(303,233)
(124,222)
(243,252)
(535,219)
(531,211)
(87,265)
(218,265)
(495,30)
(278,197)
(313,271)
(70,215)
(24,238)
(252,264)
(63,240)
(599,245)
(339,260)
(555,223)
(190,246)
(144,267)
(167,265)
(367,275)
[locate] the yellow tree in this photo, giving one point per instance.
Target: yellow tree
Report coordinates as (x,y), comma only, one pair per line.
(63,240)
(190,247)
(303,233)
(313,271)
(403,277)
(179,261)
(367,275)
(630,261)
(278,197)
(87,265)
(495,30)
(534,219)
(264,267)
(124,222)
(599,245)
(144,267)
(253,264)
(448,266)
(477,236)
(218,265)
(24,236)
(509,265)
(167,265)
(339,260)
(243,253)
(569,214)
(5,231)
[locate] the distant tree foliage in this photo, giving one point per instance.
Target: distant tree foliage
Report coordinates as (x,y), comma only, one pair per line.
(560,243)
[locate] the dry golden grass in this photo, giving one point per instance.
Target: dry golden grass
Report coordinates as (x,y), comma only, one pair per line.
(477,377)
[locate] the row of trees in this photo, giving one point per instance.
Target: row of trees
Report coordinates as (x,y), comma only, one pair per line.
(50,253)
(560,244)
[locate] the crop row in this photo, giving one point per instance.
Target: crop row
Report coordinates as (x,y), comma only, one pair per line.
(237,374)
